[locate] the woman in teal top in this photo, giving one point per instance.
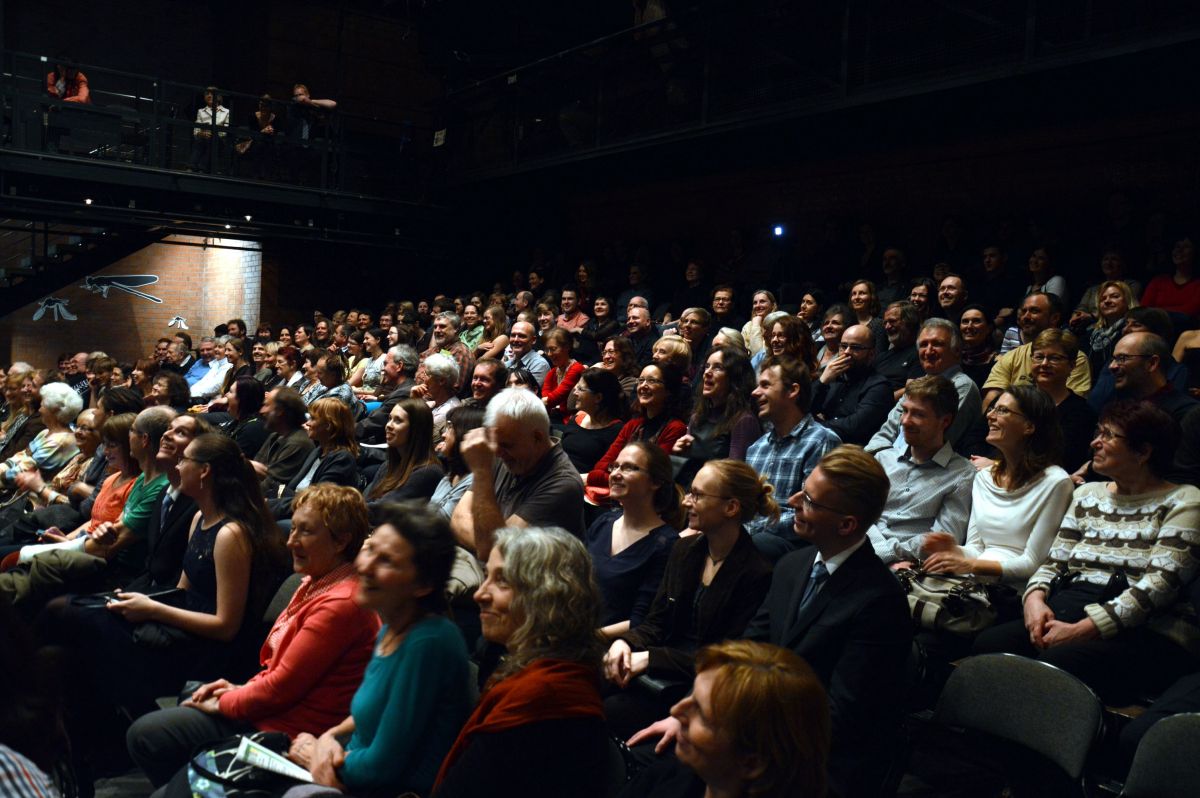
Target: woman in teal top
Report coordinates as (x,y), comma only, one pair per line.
(416,691)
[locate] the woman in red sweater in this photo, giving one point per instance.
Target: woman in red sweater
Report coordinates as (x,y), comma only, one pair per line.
(564,372)
(658,420)
(313,659)
(1179,292)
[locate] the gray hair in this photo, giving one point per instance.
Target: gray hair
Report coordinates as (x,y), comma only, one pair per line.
(178,346)
(451,317)
(61,400)
(221,340)
(153,421)
(638,302)
(517,404)
(21,367)
(704,315)
(769,320)
(442,368)
(208,339)
(909,315)
(950,327)
(733,338)
(406,357)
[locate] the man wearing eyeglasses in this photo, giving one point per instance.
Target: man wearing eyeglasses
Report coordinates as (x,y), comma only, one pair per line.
(837,606)
(849,397)
(1139,366)
(1015,367)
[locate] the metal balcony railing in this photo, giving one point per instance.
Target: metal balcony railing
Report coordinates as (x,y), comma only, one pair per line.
(148,121)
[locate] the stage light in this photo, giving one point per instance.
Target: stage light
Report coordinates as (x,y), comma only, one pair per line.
(248,217)
(778,230)
(87,201)
(228,227)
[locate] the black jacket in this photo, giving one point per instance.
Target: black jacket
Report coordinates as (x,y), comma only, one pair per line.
(857,636)
(370,429)
(167,543)
(728,604)
(337,467)
(854,407)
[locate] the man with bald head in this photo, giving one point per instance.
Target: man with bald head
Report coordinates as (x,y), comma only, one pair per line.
(639,329)
(850,397)
(1139,369)
(520,352)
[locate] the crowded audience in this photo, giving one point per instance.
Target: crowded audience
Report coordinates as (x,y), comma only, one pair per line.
(588,500)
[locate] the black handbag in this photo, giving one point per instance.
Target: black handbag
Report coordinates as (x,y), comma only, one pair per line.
(215,772)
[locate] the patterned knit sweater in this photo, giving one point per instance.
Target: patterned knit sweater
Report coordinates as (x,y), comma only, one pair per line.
(1152,538)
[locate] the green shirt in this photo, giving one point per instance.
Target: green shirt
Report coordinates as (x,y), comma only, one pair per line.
(142,501)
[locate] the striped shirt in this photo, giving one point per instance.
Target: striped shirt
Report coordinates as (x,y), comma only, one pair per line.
(1152,538)
(20,778)
(934,496)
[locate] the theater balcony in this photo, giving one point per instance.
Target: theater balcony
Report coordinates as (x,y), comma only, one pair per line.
(82,185)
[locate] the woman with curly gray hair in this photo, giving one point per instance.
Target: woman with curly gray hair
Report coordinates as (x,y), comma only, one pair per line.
(540,602)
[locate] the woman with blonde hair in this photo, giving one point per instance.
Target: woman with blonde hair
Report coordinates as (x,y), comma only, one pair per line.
(540,602)
(754,332)
(1114,300)
(755,724)
(333,458)
(671,348)
(713,584)
(495,334)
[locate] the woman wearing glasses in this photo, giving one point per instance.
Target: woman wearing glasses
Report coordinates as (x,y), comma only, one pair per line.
(1054,353)
(629,546)
(657,418)
(1122,624)
(713,584)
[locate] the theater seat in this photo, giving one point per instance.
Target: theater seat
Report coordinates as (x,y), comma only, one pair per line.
(1167,762)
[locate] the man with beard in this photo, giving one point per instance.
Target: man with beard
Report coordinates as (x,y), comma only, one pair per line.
(849,397)
(399,368)
(1015,367)
(444,338)
(952,297)
(899,362)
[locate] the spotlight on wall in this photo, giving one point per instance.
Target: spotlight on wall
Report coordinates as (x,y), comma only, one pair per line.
(248,217)
(778,231)
(87,201)
(228,227)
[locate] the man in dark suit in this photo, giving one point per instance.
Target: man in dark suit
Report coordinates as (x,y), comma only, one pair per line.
(170,520)
(849,397)
(838,606)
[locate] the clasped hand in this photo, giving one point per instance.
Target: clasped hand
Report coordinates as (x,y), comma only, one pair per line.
(207,698)
(622,665)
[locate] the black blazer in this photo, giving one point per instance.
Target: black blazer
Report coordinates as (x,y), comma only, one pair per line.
(167,544)
(857,636)
(370,429)
(855,410)
(727,606)
(338,467)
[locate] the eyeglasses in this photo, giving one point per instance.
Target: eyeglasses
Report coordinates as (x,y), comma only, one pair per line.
(853,347)
(809,504)
(1106,434)
(696,496)
(625,468)
(649,381)
(1121,360)
(1046,357)
(1000,411)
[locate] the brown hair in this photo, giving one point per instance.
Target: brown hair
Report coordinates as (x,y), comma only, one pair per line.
(771,706)
(415,452)
(751,490)
(938,391)
(860,481)
(336,415)
(1063,339)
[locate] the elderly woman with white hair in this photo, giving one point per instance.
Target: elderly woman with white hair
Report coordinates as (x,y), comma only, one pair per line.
(439,377)
(53,447)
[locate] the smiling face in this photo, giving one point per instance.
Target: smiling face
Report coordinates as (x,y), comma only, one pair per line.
(951,292)
(495,597)
(722,301)
(974,328)
(707,504)
(1039,262)
(285,337)
(388,580)
(692,329)
(651,391)
(314,550)
(610,358)
(470,314)
(521,339)
(601,308)
(1035,316)
(180,432)
(1008,428)
(778,339)
(934,350)
(1112,304)
(832,328)
(1051,368)
(395,431)
(771,395)
(761,305)
(87,437)
(701,744)
(919,296)
(300,336)
(860,298)
(629,479)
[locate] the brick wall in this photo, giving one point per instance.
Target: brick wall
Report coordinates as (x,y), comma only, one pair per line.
(207,286)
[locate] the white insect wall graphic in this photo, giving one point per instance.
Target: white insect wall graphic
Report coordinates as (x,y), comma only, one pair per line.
(178,321)
(55,305)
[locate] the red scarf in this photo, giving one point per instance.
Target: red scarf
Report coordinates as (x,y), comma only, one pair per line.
(545,689)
